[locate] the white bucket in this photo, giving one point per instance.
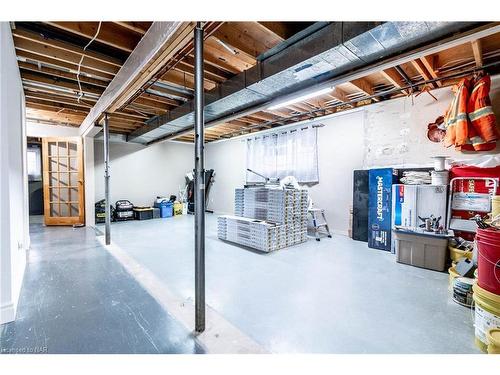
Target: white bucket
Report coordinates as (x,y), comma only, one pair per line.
(439,163)
(439,177)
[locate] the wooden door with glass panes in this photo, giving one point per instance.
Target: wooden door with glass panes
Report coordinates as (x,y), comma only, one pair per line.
(63,181)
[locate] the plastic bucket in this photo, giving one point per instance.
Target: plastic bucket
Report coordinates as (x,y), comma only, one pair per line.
(486,315)
(495,205)
(488,264)
(457,254)
(493,337)
(489,234)
(462,291)
(439,177)
(453,275)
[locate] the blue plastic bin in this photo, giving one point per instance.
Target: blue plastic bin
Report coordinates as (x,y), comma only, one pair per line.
(166,209)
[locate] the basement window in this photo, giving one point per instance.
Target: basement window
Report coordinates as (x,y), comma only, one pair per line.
(34,163)
(287,153)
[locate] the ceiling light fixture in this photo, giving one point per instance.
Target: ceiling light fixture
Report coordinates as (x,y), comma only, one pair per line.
(301,98)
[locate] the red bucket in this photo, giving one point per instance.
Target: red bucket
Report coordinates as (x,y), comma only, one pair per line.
(488,260)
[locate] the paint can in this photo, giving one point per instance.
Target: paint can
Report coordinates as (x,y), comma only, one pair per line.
(439,163)
(462,291)
(495,206)
(439,177)
(486,315)
(493,338)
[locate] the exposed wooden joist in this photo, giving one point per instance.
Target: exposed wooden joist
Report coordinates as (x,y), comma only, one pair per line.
(23,55)
(214,73)
(429,64)
(30,76)
(477,50)
(339,94)
(421,69)
(277,28)
(167,50)
(62,55)
(58,98)
(110,34)
(138,27)
(215,50)
(60,74)
(230,34)
(37,38)
(364,86)
(394,78)
(222,64)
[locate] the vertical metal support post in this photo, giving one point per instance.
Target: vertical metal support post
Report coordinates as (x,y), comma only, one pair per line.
(199,182)
(106,181)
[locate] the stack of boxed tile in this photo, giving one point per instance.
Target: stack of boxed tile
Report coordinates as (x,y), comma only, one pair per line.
(266,218)
(257,234)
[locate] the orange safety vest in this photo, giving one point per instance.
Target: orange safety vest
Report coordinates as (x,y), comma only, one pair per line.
(470,122)
(456,121)
(484,132)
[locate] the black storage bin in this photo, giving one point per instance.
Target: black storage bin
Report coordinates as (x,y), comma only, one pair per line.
(143,213)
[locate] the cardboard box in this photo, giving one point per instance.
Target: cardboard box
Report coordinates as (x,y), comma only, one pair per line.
(412,204)
(380,183)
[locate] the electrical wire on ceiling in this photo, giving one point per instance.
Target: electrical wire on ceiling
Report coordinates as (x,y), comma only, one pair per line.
(80,93)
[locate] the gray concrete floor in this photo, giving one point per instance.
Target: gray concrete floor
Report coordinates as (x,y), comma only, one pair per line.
(76,298)
(333,296)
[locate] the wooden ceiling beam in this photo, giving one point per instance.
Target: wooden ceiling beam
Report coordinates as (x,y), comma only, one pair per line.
(219,64)
(57,106)
(73,68)
(184,79)
(56,93)
(37,38)
(57,98)
(394,78)
(422,71)
(277,28)
(429,64)
(138,27)
(160,99)
(339,94)
(168,49)
(243,43)
(211,72)
(145,102)
(110,34)
(54,106)
(30,76)
(477,50)
(364,86)
(37,111)
(214,50)
(24,66)
(65,56)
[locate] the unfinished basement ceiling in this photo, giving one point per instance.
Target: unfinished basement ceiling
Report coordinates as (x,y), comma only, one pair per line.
(49,54)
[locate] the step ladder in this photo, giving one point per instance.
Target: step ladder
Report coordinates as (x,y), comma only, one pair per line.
(319,228)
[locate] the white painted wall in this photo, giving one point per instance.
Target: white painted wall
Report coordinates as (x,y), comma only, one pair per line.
(14,233)
(89,178)
(396,130)
(340,151)
(44,130)
(392,133)
(140,173)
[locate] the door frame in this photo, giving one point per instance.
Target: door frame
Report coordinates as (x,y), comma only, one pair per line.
(68,220)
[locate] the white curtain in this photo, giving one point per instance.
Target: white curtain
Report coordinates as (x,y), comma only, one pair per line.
(287,153)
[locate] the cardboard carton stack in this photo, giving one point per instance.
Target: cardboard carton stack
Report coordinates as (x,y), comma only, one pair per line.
(266,218)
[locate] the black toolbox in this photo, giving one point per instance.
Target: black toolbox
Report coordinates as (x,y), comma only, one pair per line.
(124,210)
(143,213)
